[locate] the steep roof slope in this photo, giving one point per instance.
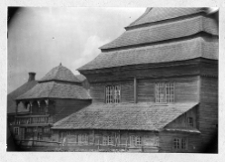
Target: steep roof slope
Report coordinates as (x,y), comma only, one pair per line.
(60,73)
(158,14)
(59,82)
(126,116)
(198,47)
(11,104)
(53,89)
(187,33)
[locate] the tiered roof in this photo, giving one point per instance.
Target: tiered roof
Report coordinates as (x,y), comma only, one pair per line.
(61,83)
(162,35)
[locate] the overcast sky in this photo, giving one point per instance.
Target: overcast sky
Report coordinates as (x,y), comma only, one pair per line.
(39,39)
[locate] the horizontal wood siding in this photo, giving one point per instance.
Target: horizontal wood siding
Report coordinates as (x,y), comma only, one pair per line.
(67,107)
(145,91)
(166,142)
(208,109)
(181,122)
(186,89)
(97,91)
(118,74)
(127,91)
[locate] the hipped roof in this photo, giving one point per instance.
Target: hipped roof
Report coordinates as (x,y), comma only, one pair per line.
(60,73)
(56,90)
(59,83)
(198,47)
(158,14)
(165,31)
(11,97)
(126,116)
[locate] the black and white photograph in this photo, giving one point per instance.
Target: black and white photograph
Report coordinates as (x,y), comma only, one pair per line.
(109,79)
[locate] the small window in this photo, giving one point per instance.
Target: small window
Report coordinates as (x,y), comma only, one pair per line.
(104,140)
(164,92)
(138,141)
(112,94)
(16,130)
(179,143)
(190,121)
(110,140)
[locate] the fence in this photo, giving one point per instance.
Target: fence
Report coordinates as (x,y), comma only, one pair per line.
(41,145)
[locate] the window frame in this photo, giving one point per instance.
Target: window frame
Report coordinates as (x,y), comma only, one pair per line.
(164,92)
(180,143)
(190,121)
(16,131)
(113,94)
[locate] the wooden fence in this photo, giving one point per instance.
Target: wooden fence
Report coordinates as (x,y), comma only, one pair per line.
(41,145)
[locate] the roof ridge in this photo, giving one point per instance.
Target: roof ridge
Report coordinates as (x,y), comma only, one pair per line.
(145,13)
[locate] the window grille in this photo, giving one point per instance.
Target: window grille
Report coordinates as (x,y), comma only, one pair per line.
(164,92)
(16,130)
(112,94)
(138,141)
(179,143)
(191,121)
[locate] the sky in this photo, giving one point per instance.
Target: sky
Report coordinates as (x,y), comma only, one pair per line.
(39,39)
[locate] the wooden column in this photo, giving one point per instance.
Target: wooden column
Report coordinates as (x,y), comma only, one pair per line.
(46,108)
(31,105)
(135,90)
(17,103)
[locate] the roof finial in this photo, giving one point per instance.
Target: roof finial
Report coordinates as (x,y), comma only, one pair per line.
(60,64)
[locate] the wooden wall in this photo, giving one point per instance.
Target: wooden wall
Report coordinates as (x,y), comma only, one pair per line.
(186,89)
(208,109)
(149,139)
(97,91)
(65,107)
(166,142)
(181,122)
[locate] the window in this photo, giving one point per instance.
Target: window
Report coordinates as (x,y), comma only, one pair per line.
(112,94)
(190,121)
(16,130)
(104,140)
(107,140)
(135,141)
(164,92)
(138,141)
(82,138)
(179,143)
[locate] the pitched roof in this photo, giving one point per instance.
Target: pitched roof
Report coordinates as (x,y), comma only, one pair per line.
(60,73)
(81,77)
(166,31)
(11,104)
(54,89)
(198,47)
(157,14)
(141,116)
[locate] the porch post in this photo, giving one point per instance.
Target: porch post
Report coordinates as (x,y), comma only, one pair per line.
(135,90)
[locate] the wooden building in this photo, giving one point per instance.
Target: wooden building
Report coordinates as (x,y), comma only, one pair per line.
(153,89)
(58,94)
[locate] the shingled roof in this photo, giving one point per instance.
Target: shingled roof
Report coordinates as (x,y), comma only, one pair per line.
(166,31)
(198,47)
(11,97)
(60,73)
(126,116)
(61,83)
(56,90)
(158,14)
